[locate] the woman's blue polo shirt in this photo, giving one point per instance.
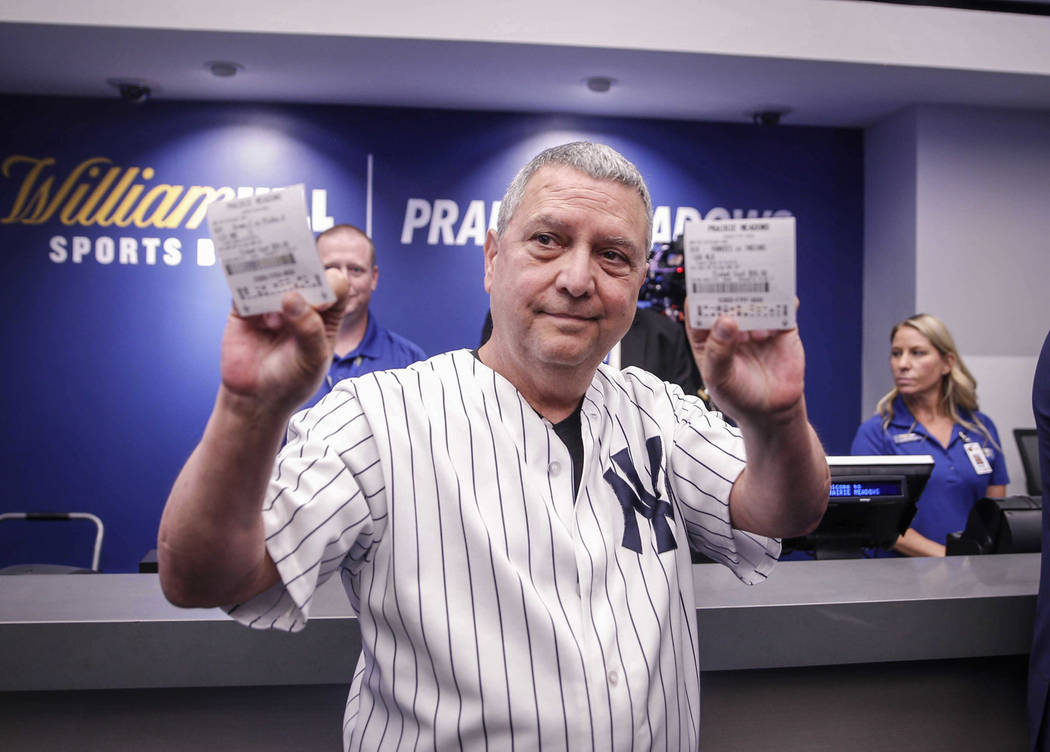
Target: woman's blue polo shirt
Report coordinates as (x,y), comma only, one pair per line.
(954,486)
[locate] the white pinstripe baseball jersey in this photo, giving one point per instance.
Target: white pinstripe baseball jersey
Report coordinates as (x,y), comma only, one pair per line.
(496,612)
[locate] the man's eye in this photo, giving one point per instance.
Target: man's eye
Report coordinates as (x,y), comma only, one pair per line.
(615,256)
(544,239)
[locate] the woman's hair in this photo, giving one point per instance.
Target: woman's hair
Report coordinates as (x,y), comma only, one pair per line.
(958,390)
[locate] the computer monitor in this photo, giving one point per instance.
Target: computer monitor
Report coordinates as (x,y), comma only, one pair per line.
(871,502)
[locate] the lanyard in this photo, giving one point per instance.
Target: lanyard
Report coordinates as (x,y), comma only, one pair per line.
(910,435)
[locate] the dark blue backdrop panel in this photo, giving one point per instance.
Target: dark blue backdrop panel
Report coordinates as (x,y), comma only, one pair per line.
(114,357)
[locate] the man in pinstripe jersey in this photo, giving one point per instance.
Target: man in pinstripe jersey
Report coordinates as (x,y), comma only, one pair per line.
(512,525)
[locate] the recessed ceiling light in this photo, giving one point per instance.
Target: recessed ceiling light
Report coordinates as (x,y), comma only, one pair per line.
(224,68)
(599,84)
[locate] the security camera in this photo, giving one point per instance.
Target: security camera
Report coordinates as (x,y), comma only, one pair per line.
(767,117)
(131,92)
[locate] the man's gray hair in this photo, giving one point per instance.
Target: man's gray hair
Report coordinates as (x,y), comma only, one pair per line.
(598,161)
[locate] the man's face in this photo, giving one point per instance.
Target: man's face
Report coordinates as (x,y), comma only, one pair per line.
(565,275)
(351,254)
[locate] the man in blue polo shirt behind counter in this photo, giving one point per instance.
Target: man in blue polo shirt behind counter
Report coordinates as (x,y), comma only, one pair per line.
(362,345)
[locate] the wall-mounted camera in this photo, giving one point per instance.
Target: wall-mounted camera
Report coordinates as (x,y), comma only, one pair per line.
(134,93)
(769,116)
(131,90)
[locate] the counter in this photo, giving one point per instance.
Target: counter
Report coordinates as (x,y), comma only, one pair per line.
(117,631)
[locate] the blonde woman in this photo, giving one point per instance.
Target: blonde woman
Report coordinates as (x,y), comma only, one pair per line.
(932,409)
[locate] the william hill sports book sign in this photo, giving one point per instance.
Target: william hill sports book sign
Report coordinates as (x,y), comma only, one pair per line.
(96,193)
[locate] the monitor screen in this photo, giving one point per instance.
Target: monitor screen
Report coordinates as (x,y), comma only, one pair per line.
(871,502)
(866,488)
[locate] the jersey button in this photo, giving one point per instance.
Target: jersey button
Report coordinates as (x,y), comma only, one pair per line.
(614,677)
(554,468)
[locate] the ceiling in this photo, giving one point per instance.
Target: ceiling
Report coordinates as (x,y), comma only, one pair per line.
(84,61)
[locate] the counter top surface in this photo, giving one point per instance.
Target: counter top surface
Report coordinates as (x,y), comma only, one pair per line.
(871,581)
(137,597)
(118,631)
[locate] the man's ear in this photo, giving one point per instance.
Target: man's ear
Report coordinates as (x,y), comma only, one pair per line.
(491,251)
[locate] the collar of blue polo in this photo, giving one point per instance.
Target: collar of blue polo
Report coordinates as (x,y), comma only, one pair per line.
(369,345)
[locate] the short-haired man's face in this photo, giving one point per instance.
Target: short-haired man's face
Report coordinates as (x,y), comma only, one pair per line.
(351,254)
(565,275)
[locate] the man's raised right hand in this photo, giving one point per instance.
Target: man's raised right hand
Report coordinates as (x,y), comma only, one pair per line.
(275,361)
(211,546)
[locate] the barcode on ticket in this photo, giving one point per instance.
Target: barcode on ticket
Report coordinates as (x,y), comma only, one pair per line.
(256,265)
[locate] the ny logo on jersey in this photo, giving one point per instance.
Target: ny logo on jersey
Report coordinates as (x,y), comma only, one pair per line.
(636,499)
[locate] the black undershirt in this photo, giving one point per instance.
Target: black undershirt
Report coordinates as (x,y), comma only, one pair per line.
(570,431)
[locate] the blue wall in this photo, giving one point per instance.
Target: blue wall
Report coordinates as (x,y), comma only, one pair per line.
(113,365)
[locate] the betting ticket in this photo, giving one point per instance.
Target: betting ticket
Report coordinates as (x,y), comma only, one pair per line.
(266,249)
(742,267)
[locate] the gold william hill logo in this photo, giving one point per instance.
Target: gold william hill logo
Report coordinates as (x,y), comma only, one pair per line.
(97,193)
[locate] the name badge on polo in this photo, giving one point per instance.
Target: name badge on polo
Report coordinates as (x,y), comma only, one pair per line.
(907,438)
(980,462)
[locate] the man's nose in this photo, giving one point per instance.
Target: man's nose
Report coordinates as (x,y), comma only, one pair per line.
(576,274)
